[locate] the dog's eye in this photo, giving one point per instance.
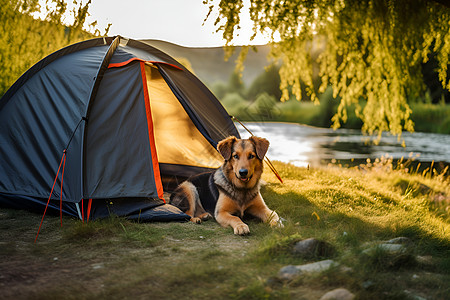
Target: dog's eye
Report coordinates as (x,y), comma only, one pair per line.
(251,156)
(236,156)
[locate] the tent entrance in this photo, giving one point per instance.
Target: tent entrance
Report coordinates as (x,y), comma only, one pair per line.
(177,139)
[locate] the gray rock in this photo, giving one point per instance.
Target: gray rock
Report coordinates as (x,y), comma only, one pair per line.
(311,248)
(290,272)
(425,260)
(392,249)
(319,266)
(399,240)
(386,256)
(367,284)
(338,294)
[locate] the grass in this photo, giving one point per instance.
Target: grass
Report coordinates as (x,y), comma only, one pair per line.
(351,209)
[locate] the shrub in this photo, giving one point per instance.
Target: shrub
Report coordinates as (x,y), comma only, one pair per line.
(235,105)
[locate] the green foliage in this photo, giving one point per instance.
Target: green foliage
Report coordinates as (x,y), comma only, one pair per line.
(235,83)
(431,117)
(219,89)
(371,50)
(267,82)
(427,117)
(264,107)
(25,40)
(235,104)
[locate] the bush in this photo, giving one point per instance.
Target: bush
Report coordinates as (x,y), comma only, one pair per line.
(219,89)
(264,108)
(445,126)
(327,109)
(431,117)
(236,105)
(297,111)
(267,82)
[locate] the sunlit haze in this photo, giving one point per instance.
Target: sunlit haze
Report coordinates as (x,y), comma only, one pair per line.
(176,21)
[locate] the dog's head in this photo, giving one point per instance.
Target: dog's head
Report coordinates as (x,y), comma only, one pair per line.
(243,159)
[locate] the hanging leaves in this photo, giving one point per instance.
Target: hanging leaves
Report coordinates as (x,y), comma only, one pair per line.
(370,52)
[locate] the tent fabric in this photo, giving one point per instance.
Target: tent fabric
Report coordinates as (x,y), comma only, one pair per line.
(37,123)
(106,103)
(112,168)
(142,210)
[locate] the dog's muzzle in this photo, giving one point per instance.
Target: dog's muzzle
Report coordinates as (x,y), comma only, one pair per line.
(243,173)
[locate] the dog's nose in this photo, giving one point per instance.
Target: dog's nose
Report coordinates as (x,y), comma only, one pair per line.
(243,172)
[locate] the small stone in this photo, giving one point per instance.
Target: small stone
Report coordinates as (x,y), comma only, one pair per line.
(317,267)
(392,249)
(290,272)
(311,248)
(390,255)
(97,266)
(426,260)
(345,269)
(367,284)
(399,240)
(338,294)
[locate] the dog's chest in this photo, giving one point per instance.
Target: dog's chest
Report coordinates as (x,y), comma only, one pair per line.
(241,196)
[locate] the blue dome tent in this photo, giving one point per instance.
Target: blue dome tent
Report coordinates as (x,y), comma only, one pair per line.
(106,126)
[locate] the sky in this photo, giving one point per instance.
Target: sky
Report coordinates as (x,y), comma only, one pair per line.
(177,21)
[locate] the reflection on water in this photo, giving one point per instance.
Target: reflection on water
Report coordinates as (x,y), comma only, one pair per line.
(304,145)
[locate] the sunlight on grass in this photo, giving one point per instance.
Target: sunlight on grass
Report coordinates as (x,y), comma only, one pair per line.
(350,209)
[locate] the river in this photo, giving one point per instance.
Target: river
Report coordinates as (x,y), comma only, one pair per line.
(303,145)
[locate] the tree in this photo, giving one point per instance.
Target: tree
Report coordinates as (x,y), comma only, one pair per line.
(25,40)
(369,50)
(268,81)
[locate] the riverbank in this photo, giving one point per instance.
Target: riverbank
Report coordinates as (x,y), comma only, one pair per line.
(352,210)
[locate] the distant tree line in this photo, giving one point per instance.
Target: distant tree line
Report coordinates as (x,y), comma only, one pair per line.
(260,101)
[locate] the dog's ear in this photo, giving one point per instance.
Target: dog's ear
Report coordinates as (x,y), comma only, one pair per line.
(261,146)
(225,146)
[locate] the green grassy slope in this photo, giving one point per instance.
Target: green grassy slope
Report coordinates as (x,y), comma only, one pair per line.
(351,209)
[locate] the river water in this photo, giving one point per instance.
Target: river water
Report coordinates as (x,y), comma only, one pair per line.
(304,145)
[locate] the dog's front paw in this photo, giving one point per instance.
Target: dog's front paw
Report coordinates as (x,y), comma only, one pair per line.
(276,223)
(241,229)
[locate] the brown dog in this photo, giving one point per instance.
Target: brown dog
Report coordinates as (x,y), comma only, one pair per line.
(231,190)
